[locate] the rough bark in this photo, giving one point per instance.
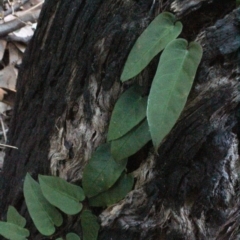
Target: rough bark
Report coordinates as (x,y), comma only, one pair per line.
(68,85)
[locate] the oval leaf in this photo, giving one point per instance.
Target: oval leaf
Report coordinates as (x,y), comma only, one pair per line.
(171,86)
(162,30)
(59,192)
(14,217)
(131,142)
(101,172)
(129,110)
(72,236)
(116,193)
(90,226)
(43,214)
(12,231)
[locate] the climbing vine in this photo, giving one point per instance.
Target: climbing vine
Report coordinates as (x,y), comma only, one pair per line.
(136,120)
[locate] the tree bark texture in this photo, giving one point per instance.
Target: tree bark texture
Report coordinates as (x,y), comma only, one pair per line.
(67,88)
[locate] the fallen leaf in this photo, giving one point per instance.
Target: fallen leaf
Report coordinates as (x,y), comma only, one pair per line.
(3,44)
(15,56)
(8,77)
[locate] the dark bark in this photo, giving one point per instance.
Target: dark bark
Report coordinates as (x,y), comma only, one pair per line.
(68,85)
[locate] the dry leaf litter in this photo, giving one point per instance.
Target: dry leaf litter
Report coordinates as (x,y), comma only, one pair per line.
(18,19)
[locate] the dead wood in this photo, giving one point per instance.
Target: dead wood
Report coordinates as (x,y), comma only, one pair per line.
(68,85)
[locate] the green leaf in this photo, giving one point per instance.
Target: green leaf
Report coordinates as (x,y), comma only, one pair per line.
(116,193)
(131,142)
(14,217)
(12,231)
(62,194)
(72,236)
(162,30)
(101,172)
(129,110)
(90,226)
(171,86)
(43,214)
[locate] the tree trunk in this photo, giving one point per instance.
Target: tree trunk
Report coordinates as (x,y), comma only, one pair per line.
(67,88)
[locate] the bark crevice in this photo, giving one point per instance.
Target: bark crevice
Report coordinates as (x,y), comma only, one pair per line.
(67,87)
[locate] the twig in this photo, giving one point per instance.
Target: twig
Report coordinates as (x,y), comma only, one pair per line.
(4,130)
(19,22)
(15,7)
(36,6)
(9,146)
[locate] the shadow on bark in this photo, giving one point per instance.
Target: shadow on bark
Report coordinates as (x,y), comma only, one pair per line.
(68,85)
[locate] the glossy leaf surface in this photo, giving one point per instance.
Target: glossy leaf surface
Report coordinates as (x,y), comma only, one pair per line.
(129,111)
(12,231)
(14,217)
(90,225)
(43,214)
(116,193)
(131,142)
(162,30)
(102,171)
(60,193)
(171,86)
